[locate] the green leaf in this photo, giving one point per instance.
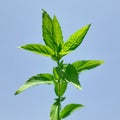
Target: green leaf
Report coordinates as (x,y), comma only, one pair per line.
(58,73)
(86,64)
(71,75)
(39,49)
(69,109)
(57,33)
(75,40)
(47,30)
(54,111)
(36,80)
(60,88)
(68,73)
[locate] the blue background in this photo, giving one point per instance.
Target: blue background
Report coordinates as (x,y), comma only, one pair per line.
(20,23)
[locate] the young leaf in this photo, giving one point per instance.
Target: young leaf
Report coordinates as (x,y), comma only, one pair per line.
(36,80)
(39,49)
(75,40)
(57,33)
(47,29)
(54,111)
(71,75)
(69,109)
(60,88)
(86,64)
(58,73)
(55,73)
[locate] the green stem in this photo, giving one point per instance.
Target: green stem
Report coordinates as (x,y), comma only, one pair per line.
(59,105)
(59,102)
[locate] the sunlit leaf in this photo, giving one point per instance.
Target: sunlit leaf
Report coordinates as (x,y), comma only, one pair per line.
(36,80)
(57,33)
(60,83)
(68,73)
(58,73)
(67,110)
(47,29)
(71,75)
(39,49)
(60,88)
(75,40)
(86,64)
(54,111)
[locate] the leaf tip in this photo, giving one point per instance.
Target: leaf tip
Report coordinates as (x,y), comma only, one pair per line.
(43,11)
(101,61)
(78,87)
(21,47)
(89,25)
(82,105)
(16,93)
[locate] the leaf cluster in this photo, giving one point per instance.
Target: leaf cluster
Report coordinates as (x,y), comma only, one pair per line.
(63,74)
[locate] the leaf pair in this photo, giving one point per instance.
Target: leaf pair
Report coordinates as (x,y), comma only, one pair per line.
(52,33)
(65,112)
(68,74)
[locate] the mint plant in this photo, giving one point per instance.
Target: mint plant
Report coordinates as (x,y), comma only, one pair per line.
(64,73)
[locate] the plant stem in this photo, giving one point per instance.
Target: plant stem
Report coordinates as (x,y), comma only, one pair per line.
(59,102)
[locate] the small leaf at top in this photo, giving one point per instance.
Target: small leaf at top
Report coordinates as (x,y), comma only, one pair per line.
(39,49)
(54,111)
(75,40)
(36,80)
(47,30)
(82,65)
(68,109)
(57,33)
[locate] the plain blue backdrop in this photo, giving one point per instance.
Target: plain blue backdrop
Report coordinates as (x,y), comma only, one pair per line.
(20,23)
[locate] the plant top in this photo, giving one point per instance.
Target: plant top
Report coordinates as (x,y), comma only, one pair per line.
(64,73)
